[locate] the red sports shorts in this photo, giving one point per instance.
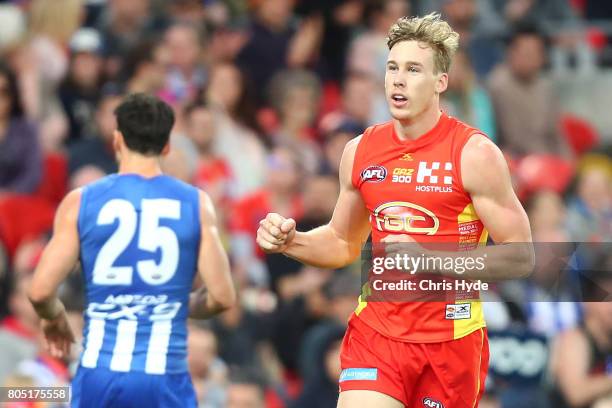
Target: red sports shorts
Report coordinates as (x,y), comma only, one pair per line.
(448,374)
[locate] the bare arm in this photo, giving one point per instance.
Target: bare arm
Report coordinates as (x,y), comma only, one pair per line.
(571,371)
(218,293)
(487,179)
(58,259)
(333,245)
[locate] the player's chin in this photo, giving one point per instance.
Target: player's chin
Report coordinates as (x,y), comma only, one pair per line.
(400,113)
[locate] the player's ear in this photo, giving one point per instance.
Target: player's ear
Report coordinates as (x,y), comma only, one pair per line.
(442,82)
(166,149)
(118,142)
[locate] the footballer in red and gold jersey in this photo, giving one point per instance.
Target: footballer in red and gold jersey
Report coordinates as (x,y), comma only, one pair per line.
(422,178)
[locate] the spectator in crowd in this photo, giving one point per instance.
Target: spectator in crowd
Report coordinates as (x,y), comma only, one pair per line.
(213,173)
(581,357)
(334,143)
(123,24)
(335,19)
(241,332)
(465,99)
(19,330)
(281,192)
(143,69)
(524,100)
(186,73)
(80,90)
(321,386)
(559,21)
(552,14)
(236,139)
(368,56)
(12,25)
(45,65)
(296,101)
(97,149)
(275,42)
(547,215)
(590,209)
(480,29)
(358,104)
(246,390)
(20,152)
(229,92)
(188,11)
(208,372)
(341,293)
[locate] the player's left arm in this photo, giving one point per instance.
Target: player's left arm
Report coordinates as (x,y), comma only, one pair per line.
(57,261)
(218,293)
(486,178)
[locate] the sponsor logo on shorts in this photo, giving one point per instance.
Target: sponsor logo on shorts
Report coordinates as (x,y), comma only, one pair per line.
(374,174)
(458,312)
(360,374)
(431,403)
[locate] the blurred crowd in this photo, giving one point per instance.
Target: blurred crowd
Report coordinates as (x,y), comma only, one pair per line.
(266,95)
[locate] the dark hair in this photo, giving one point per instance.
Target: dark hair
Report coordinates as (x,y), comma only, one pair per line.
(142,53)
(145,123)
(526,28)
(16,104)
(248,376)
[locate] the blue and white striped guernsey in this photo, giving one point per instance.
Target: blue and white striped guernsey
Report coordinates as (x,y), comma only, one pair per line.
(139,247)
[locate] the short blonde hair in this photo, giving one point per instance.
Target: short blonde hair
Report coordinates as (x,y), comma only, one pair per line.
(431,30)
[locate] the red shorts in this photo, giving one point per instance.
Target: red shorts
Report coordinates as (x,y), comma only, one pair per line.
(449,374)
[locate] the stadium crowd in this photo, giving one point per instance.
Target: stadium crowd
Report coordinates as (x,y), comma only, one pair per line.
(267,93)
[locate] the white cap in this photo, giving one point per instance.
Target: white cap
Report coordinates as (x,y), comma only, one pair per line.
(86,40)
(12,24)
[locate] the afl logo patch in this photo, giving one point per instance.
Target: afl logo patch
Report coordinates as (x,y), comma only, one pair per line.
(375,174)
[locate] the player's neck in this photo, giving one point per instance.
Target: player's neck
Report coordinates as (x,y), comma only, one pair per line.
(138,164)
(419,125)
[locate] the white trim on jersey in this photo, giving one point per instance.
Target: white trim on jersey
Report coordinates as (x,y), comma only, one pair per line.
(158,347)
(95,338)
(124,345)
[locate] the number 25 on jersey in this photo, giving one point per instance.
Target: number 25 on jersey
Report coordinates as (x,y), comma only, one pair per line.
(151,236)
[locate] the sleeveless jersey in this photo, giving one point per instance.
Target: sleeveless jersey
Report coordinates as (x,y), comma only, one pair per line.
(140,239)
(414,187)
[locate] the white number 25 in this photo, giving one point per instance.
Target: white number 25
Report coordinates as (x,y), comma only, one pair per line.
(151,236)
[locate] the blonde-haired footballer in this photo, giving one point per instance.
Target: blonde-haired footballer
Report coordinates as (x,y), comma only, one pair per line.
(423,177)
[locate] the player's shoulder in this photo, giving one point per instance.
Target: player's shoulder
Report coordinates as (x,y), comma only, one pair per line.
(68,209)
(179,185)
(352,144)
(479,149)
(483,165)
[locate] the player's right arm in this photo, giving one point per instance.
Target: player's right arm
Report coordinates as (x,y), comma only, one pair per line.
(218,293)
(330,246)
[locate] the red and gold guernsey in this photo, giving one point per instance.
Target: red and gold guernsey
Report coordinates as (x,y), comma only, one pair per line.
(414,187)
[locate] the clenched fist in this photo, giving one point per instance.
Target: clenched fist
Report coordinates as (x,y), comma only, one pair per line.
(275,233)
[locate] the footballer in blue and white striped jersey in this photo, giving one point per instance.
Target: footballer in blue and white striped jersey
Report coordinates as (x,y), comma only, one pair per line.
(141,237)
